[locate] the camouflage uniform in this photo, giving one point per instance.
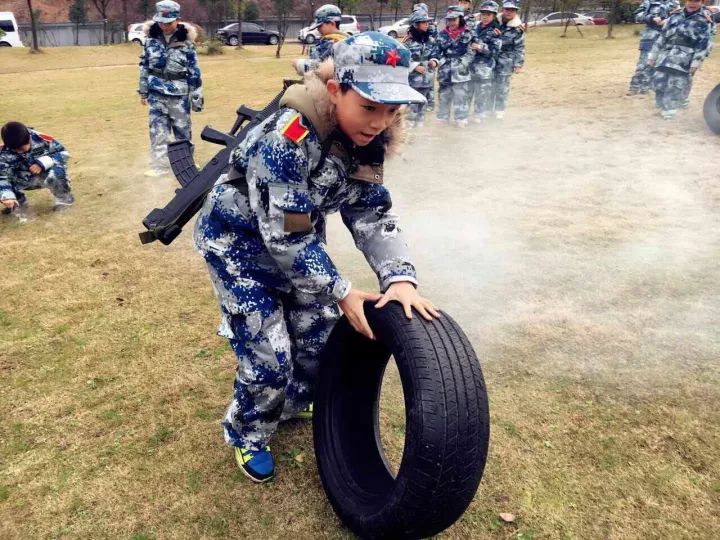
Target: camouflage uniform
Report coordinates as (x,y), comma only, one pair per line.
(433,33)
(511,56)
(262,234)
(323,48)
(640,82)
(454,57)
(50,155)
(684,43)
(482,68)
(169,74)
(420,46)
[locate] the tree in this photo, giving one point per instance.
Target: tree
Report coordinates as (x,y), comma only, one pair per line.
(144,7)
(239,17)
(397,4)
(102,7)
(381,2)
(252,11)
(125,20)
(78,15)
(34,22)
(283,9)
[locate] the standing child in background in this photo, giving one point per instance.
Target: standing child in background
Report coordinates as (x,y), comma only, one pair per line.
(433,32)
(679,51)
(486,50)
(422,78)
(170,82)
(32,160)
(452,55)
(327,22)
(511,58)
(262,234)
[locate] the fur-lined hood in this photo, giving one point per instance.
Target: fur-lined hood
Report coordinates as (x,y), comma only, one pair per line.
(185,31)
(313,101)
(512,23)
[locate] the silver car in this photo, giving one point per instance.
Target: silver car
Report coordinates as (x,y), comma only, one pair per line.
(396,30)
(559,18)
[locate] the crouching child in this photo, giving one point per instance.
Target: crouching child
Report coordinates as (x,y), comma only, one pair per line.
(32,160)
(262,234)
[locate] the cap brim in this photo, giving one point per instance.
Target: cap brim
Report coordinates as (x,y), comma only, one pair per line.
(164,19)
(314,26)
(389,93)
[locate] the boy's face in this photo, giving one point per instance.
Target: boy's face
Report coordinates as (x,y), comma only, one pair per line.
(693,5)
(25,148)
(422,26)
(508,14)
(486,17)
(327,28)
(359,118)
(169,28)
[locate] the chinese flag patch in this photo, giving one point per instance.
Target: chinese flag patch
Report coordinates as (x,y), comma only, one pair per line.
(46,138)
(295,130)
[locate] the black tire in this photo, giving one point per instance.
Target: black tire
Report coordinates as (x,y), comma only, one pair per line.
(272,40)
(4,44)
(309,39)
(233,41)
(392,34)
(711,110)
(137,41)
(447,425)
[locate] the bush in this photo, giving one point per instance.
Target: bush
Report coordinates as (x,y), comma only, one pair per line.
(212,47)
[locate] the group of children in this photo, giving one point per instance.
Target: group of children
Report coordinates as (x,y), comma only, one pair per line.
(474,60)
(673,46)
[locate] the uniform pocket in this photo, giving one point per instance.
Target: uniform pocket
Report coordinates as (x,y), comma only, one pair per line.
(290,208)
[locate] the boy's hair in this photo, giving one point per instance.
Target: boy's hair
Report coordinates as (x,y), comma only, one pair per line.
(15,135)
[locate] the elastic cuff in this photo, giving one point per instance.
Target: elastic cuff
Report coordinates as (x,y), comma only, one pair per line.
(46,162)
(397,279)
(340,289)
(7,196)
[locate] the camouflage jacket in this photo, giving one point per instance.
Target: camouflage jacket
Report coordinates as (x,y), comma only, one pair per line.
(512,51)
(319,51)
(15,168)
(454,56)
(420,50)
(684,43)
(646,13)
(484,62)
(265,232)
(470,21)
(169,68)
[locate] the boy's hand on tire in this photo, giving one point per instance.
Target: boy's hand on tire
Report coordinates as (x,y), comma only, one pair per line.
(352,307)
(406,293)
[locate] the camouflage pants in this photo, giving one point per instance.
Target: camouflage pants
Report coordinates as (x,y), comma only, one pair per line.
(278,361)
(482,91)
(643,74)
(431,99)
(167,113)
(416,111)
(501,90)
(672,88)
(455,96)
(56,180)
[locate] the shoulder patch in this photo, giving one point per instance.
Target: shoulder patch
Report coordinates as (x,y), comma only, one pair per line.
(295,130)
(45,137)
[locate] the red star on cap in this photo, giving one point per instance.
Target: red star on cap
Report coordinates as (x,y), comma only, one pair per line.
(392,58)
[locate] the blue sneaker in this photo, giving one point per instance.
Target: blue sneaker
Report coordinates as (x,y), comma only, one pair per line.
(256,465)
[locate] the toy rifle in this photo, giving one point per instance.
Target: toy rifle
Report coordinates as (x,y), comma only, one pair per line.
(165,224)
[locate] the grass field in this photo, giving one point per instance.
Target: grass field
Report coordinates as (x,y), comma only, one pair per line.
(577,243)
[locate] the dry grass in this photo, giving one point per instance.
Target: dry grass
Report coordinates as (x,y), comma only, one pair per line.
(583,235)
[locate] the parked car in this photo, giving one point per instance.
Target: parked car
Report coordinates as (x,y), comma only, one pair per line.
(396,30)
(10,35)
(136,33)
(251,33)
(348,24)
(598,17)
(559,18)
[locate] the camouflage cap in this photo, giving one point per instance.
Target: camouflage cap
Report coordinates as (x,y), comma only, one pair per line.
(511,4)
(377,67)
(454,12)
(326,13)
(419,16)
(489,5)
(166,11)
(422,7)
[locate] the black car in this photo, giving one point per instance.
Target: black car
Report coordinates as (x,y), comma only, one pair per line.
(251,33)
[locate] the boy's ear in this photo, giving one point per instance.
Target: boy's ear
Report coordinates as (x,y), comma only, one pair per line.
(333,88)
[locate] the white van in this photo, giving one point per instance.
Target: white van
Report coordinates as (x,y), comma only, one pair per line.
(9,36)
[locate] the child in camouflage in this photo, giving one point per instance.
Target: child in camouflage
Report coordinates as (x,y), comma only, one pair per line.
(31,160)
(262,234)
